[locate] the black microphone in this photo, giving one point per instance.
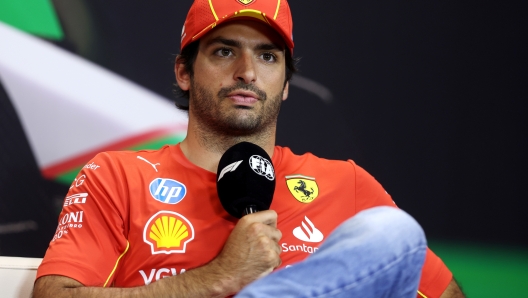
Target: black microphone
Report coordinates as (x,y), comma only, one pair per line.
(245,179)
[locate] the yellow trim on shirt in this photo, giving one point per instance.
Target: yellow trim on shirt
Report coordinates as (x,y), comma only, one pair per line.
(422,294)
(115,266)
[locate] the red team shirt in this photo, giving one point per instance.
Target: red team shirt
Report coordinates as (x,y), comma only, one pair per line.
(131,218)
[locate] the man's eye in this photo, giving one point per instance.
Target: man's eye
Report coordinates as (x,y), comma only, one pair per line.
(224,52)
(269,57)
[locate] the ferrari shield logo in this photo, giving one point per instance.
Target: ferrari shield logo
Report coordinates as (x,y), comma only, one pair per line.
(245,2)
(303,188)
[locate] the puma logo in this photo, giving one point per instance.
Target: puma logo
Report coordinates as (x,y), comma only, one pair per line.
(153,165)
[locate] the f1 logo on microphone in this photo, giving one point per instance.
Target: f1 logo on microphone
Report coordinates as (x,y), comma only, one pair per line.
(229,168)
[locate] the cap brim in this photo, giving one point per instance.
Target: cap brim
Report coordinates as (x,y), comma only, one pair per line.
(247,14)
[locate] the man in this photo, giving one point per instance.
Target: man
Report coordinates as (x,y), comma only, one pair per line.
(149,223)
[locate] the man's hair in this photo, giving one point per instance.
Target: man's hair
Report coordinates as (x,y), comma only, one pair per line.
(187,58)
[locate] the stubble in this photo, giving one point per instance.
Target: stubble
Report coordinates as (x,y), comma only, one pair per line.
(222,127)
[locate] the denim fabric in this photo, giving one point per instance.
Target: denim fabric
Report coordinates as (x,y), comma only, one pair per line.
(377,253)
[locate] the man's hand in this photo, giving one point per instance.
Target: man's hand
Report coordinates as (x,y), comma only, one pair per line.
(251,251)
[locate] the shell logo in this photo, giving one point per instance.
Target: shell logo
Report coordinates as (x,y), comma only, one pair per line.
(168,232)
(245,2)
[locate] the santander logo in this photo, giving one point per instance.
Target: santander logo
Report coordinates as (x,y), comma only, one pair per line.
(308,232)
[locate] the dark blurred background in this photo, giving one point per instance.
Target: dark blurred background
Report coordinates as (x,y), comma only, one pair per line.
(427,96)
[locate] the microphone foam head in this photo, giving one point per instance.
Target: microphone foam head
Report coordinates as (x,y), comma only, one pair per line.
(245,176)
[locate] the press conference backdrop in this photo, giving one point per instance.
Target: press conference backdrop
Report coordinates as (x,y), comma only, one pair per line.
(427,97)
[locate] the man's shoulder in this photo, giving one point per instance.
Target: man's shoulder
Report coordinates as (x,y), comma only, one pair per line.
(126,163)
(128,156)
(287,156)
(126,160)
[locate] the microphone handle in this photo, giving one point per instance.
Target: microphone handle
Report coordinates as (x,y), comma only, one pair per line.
(250,209)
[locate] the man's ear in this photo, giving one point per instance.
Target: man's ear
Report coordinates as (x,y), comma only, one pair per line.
(285,91)
(183,78)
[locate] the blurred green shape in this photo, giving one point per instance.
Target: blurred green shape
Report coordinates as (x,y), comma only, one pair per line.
(68,176)
(33,16)
(486,270)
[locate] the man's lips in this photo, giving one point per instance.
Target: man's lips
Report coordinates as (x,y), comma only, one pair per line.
(245,98)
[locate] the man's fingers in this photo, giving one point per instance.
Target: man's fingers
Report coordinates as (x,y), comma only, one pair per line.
(252,249)
(275,235)
(261,229)
(267,217)
(263,222)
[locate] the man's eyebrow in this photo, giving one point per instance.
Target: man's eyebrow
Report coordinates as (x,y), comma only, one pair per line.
(224,41)
(269,47)
(238,44)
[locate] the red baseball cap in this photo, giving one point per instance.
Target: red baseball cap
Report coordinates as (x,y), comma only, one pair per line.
(204,15)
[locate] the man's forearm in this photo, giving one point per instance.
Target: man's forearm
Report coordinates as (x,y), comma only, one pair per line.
(206,281)
(250,252)
(453,291)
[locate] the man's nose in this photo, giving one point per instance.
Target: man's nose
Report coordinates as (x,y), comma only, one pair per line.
(245,69)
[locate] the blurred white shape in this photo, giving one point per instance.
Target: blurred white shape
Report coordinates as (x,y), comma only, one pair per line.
(69,106)
(313,87)
(17,276)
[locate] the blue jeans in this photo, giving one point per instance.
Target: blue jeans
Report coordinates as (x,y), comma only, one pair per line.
(377,253)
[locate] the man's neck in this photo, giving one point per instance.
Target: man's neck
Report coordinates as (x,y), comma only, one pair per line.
(205,148)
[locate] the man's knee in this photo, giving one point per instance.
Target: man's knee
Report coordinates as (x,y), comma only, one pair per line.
(390,220)
(380,226)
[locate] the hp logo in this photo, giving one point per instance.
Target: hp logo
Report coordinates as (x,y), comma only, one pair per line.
(167,190)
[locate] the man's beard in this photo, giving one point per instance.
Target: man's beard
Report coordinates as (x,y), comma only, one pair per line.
(207,108)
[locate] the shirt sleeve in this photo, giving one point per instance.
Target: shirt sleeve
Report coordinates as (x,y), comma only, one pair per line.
(435,277)
(369,192)
(435,274)
(90,236)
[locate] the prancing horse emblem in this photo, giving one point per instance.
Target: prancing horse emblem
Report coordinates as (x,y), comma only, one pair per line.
(303,188)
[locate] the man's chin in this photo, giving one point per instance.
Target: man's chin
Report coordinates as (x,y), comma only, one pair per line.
(242,126)
(242,107)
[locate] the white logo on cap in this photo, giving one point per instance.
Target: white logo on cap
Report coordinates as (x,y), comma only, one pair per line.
(183,33)
(262,166)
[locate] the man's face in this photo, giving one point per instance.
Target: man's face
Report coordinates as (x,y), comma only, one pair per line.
(239,75)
